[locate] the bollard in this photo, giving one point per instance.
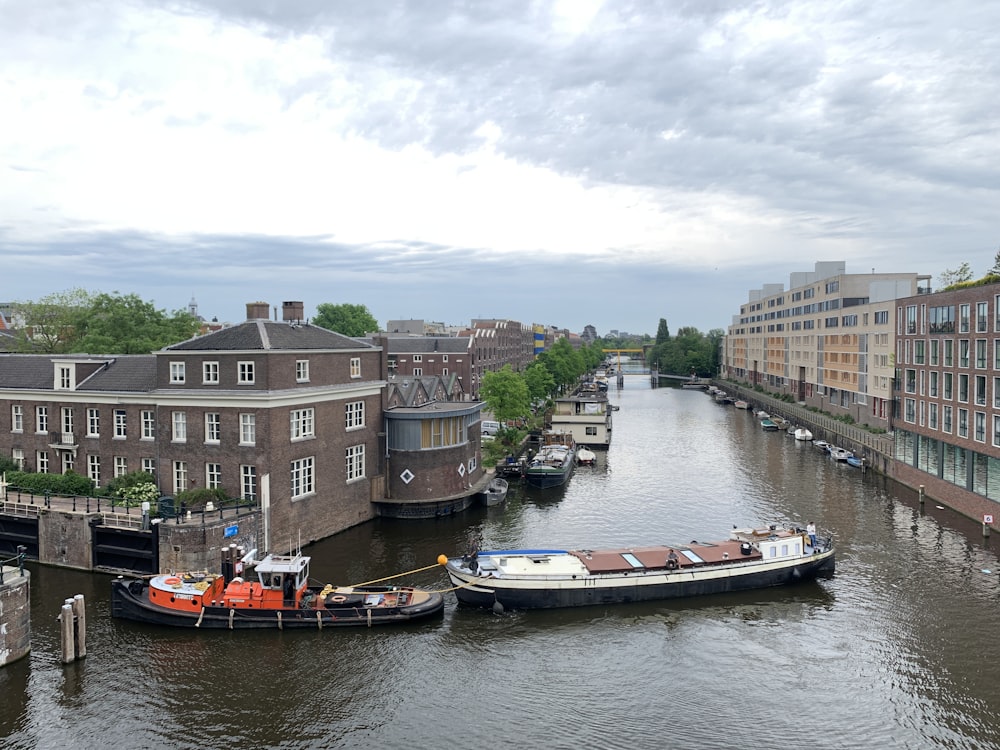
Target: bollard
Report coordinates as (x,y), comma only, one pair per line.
(80,612)
(66,632)
(986,530)
(921,494)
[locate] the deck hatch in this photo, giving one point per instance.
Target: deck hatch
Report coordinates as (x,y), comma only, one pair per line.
(691,556)
(632,560)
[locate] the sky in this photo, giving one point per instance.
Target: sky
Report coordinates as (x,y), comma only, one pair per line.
(562,162)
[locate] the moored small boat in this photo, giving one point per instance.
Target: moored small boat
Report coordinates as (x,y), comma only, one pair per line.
(839,454)
(279,597)
(741,404)
(545,578)
(854,461)
(585,456)
(767,424)
(803,434)
(553,463)
(821,445)
(495,492)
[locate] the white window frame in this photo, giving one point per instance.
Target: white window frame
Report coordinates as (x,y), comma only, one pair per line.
(248,482)
(121,466)
(303,480)
(94,469)
(354,458)
(302,371)
(177,373)
(245,372)
(93,422)
(248,428)
(354,415)
(210,373)
(121,424)
(178,427)
(148,424)
(213,427)
(17,418)
(302,424)
(149,466)
(41,419)
(180,476)
(17,456)
(355,367)
(213,476)
(41,462)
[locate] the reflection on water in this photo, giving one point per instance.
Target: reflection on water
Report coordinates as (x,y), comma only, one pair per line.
(894,651)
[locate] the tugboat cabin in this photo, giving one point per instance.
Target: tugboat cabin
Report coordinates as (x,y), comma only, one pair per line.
(281,581)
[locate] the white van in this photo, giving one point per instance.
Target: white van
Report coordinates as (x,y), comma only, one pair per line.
(489,427)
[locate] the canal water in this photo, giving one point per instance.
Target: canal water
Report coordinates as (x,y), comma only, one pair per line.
(897,650)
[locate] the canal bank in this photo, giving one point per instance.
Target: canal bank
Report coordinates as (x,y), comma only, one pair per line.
(878,450)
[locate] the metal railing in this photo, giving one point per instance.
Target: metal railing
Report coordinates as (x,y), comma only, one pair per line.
(16,561)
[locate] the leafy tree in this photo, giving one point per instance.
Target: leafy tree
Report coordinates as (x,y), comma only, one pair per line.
(506,394)
(957,276)
(7,464)
(662,332)
(539,380)
(565,363)
(77,321)
(995,269)
(347,319)
(116,324)
(50,324)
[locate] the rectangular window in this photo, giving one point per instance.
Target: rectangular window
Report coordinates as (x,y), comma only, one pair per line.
(213,476)
(93,422)
(963,388)
(444,357)
(180,476)
(121,466)
(982,317)
(980,390)
(42,462)
(918,351)
(949,352)
(210,373)
(418,372)
(245,373)
(94,469)
(16,418)
(179,426)
(67,423)
(911,319)
(935,352)
(17,455)
(963,423)
(149,466)
(981,354)
(213,427)
(176,373)
(302,424)
(148,424)
(911,381)
(355,367)
(354,415)
(418,357)
(910,410)
(946,418)
(248,483)
(121,425)
(41,419)
(302,371)
(355,456)
(248,429)
(963,353)
(934,374)
(65,378)
(932,416)
(302,477)
(979,426)
(948,377)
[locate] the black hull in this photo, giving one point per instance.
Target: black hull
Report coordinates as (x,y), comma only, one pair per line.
(632,589)
(544,481)
(128,605)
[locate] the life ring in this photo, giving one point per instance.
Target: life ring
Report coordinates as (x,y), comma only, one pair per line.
(339,598)
(172,580)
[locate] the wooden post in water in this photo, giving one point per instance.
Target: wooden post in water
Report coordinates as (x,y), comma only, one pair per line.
(66,623)
(921,496)
(72,629)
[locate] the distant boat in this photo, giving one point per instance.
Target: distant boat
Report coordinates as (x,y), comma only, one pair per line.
(585,456)
(856,462)
(741,404)
(553,463)
(802,433)
(839,454)
(767,424)
(821,445)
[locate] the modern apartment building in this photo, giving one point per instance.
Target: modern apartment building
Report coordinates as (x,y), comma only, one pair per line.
(948,427)
(827,340)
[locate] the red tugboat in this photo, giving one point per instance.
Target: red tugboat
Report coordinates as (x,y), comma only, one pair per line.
(276,594)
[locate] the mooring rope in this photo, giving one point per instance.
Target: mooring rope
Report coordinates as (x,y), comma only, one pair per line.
(398,575)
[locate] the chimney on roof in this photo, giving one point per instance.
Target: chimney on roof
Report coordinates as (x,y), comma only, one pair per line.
(257,310)
(292,312)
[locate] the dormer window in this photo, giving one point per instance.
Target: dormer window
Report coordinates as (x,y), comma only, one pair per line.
(177,373)
(65,380)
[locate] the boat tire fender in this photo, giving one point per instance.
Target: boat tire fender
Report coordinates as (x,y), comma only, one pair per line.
(338,599)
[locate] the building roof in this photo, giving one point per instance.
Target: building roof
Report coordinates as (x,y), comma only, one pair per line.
(267,335)
(132,373)
(423,344)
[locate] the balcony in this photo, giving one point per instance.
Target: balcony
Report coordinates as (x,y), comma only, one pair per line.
(63,441)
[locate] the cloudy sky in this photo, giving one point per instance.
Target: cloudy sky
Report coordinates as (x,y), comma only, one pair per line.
(565,162)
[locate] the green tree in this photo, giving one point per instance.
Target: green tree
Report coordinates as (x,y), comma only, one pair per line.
(995,269)
(127,324)
(662,332)
(506,394)
(950,277)
(565,363)
(539,380)
(347,319)
(50,325)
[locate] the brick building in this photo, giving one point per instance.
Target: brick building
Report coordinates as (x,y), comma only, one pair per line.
(947,428)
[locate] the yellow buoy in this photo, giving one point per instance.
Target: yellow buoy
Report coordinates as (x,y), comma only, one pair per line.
(442,560)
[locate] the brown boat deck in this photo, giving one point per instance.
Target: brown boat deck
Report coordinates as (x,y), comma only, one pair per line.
(655,558)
